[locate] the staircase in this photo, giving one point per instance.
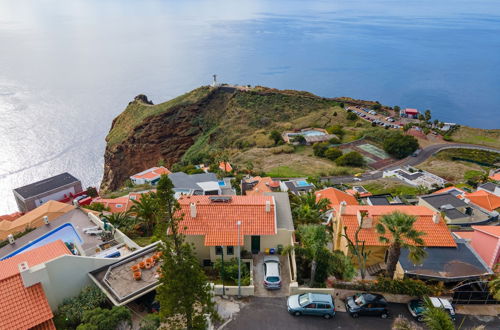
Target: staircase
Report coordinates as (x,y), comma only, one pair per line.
(376,269)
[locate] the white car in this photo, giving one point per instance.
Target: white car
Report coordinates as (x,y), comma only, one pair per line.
(272,272)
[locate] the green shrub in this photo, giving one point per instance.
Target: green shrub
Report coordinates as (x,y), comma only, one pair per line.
(351,116)
(336,129)
(399,145)
(352,158)
(405,286)
(334,141)
(284,149)
(230,272)
(72,309)
(319,148)
(105,319)
(150,322)
(276,137)
(333,153)
(99,207)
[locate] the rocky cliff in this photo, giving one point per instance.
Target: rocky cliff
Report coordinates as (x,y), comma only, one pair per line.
(199,122)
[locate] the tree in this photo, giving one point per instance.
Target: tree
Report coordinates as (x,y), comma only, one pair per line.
(145,210)
(92,192)
(72,309)
(99,207)
(337,130)
(402,323)
(319,148)
(436,318)
(276,137)
(377,106)
(308,209)
(396,229)
(105,319)
(150,322)
(399,145)
(357,247)
(185,296)
(299,139)
(397,109)
(427,115)
(352,158)
(351,116)
(121,220)
(333,153)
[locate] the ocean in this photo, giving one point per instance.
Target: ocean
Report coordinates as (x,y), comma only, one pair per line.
(68,67)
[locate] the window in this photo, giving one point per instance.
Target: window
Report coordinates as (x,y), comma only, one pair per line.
(311,306)
(218,250)
(119,206)
(230,250)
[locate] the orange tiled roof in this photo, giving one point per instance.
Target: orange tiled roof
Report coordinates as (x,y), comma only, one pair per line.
(217,220)
(152,173)
(125,201)
(11,217)
(464,234)
(441,191)
(495,176)
(492,230)
(436,234)
(336,197)
(225,166)
(484,199)
(353,192)
(26,307)
(261,187)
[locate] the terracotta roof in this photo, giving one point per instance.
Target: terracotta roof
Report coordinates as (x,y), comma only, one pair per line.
(484,199)
(11,217)
(464,234)
(447,189)
(437,235)
(492,230)
(260,188)
(47,325)
(336,197)
(495,176)
(217,220)
(410,110)
(353,192)
(125,201)
(225,166)
(26,307)
(34,218)
(151,173)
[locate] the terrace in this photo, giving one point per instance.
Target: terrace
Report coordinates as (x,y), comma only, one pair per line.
(119,280)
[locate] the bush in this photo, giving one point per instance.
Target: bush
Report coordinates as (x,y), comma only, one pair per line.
(334,141)
(447,138)
(99,207)
(150,322)
(263,141)
(405,286)
(231,271)
(352,116)
(352,158)
(336,129)
(92,192)
(276,137)
(105,319)
(319,148)
(399,145)
(284,149)
(333,153)
(72,309)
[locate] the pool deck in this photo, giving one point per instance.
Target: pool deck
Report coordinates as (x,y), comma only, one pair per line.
(77,218)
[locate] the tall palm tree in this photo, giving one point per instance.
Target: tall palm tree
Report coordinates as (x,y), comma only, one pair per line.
(121,220)
(396,229)
(307,209)
(146,211)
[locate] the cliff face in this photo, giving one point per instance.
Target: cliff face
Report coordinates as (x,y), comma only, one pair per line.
(165,136)
(200,123)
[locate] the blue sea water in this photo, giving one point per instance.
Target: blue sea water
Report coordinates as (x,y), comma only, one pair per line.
(68,67)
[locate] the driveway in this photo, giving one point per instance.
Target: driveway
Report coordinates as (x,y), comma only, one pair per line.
(271,314)
(258,277)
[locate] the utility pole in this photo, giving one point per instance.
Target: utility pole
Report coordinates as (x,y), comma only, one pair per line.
(222,273)
(238,223)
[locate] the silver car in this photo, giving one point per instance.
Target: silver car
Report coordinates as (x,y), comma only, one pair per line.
(272,272)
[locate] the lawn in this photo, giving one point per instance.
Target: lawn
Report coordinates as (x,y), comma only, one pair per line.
(485,137)
(389,186)
(142,241)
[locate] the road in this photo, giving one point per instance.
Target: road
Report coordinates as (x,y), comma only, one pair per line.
(408,161)
(271,314)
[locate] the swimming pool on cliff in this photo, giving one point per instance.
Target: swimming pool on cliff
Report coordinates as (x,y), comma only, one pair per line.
(67,233)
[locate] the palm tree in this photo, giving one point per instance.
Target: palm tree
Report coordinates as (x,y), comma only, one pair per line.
(146,211)
(401,323)
(121,220)
(436,318)
(307,209)
(396,229)
(313,240)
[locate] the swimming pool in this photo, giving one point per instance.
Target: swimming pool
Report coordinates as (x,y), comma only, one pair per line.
(312,133)
(66,233)
(222,183)
(302,183)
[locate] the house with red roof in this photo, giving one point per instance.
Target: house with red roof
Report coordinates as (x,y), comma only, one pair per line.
(149,176)
(485,200)
(358,191)
(486,242)
(25,305)
(225,167)
(120,204)
(216,225)
(336,197)
(409,113)
(258,185)
(447,260)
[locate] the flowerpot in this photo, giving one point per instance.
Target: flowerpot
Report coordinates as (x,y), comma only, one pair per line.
(135,268)
(142,264)
(137,275)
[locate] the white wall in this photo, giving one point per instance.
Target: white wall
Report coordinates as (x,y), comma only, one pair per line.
(63,277)
(55,196)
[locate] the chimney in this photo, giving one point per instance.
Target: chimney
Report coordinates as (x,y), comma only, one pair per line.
(11,238)
(45,219)
(342,207)
(268,206)
(192,207)
(436,217)
(23,266)
(367,219)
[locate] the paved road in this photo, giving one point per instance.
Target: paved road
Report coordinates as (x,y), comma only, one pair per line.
(271,314)
(409,161)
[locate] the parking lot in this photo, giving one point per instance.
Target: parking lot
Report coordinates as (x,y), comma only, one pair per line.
(270,313)
(258,277)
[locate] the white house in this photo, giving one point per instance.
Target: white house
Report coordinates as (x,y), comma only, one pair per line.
(416,177)
(151,176)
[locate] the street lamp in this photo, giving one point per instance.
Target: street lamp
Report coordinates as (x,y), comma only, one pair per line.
(222,272)
(238,224)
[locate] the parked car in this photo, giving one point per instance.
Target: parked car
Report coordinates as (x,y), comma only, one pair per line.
(80,197)
(320,304)
(367,304)
(272,273)
(417,307)
(415,154)
(356,179)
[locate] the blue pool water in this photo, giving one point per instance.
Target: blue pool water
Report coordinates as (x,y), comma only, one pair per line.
(222,183)
(312,133)
(66,233)
(302,183)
